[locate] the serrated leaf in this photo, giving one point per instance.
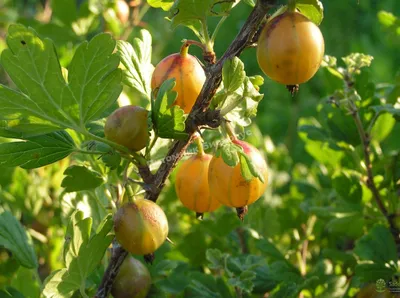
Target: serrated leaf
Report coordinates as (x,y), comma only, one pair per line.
(45,102)
(387,108)
(241,106)
(233,74)
(248,169)
(373,272)
(14,238)
(312,9)
(136,58)
(348,186)
(229,153)
(164,4)
(244,281)
(168,119)
(111,159)
(191,13)
(216,258)
(37,151)
(163,268)
(83,253)
(80,178)
(378,246)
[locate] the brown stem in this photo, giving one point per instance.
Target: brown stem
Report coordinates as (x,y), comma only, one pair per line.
(198,117)
(117,258)
(365,141)
(242,240)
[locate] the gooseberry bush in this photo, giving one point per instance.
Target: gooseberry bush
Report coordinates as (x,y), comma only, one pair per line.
(126,175)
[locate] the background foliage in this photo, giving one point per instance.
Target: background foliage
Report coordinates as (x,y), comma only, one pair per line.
(317,229)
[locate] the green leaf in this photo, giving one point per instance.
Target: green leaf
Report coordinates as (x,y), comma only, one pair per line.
(202,285)
(351,226)
(163,268)
(388,108)
(80,178)
(348,186)
(229,153)
(112,159)
(168,119)
(248,168)
(136,58)
(263,282)
(244,281)
(82,254)
(64,10)
(389,20)
(216,258)
(37,151)
(312,9)
(14,238)
(164,4)
(192,13)
(383,126)
(10,292)
(175,283)
(378,246)
(46,102)
(287,290)
(373,272)
(269,249)
(324,152)
(251,3)
(31,288)
(241,106)
(233,74)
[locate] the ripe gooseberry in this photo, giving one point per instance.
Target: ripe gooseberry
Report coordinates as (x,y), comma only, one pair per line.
(188,73)
(140,226)
(290,48)
(191,184)
(127,126)
(132,281)
(229,186)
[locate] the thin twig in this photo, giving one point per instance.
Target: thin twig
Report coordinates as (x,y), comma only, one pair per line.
(365,141)
(198,117)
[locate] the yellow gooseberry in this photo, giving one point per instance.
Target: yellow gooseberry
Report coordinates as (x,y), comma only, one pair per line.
(290,48)
(192,184)
(188,73)
(229,186)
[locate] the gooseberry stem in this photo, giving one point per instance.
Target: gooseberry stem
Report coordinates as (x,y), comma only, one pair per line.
(187,43)
(207,41)
(148,150)
(214,35)
(184,49)
(228,130)
(199,144)
(292,5)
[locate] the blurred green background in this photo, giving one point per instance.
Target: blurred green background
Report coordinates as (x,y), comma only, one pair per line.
(297,178)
